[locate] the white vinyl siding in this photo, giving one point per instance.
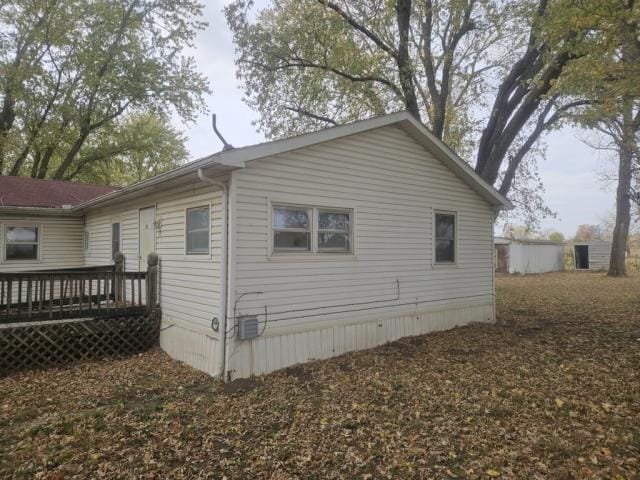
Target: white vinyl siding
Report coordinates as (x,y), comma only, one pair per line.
(189,284)
(393,186)
(59,242)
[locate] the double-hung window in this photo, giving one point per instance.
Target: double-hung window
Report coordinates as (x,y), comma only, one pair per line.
(198,225)
(21,242)
(311,229)
(445,227)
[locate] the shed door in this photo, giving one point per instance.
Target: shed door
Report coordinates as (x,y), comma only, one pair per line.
(147,235)
(582,257)
(502,258)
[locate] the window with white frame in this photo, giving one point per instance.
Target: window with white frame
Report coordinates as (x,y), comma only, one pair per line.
(197,231)
(311,229)
(115,239)
(21,242)
(445,227)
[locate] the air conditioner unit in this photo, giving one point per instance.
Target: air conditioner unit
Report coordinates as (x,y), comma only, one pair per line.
(248,327)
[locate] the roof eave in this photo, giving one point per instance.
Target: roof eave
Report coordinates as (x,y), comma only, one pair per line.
(41,211)
(208,162)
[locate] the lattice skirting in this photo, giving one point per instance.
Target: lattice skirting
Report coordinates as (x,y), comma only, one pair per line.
(48,343)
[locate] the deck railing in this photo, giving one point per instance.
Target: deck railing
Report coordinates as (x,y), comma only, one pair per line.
(76,292)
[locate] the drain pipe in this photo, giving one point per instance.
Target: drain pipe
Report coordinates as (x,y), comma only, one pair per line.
(222,328)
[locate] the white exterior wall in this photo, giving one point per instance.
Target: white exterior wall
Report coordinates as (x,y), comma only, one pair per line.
(189,284)
(393,185)
(599,254)
(60,242)
(532,258)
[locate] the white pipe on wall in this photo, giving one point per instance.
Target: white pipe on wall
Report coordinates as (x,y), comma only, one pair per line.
(220,363)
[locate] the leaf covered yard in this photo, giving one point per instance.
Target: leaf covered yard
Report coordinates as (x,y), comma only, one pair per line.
(551,391)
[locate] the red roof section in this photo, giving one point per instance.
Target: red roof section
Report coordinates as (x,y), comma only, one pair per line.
(34,192)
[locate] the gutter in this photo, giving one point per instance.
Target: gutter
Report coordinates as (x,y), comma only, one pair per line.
(41,211)
(222,329)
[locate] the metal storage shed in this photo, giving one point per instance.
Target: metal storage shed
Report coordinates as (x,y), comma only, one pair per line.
(593,255)
(528,256)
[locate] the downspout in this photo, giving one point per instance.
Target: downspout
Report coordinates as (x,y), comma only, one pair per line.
(222,329)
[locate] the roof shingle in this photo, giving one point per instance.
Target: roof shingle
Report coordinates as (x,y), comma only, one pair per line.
(34,192)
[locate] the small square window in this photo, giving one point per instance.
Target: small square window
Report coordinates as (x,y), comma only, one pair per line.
(445,235)
(198,225)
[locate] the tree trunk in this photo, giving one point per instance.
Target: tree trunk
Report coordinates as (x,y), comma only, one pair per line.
(405,70)
(623,197)
(71,155)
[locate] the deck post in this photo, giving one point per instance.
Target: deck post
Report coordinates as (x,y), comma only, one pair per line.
(119,277)
(152,281)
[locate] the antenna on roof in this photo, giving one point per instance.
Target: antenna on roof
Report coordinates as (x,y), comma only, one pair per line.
(226,146)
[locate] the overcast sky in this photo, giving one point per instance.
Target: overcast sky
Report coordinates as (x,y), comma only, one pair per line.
(568,172)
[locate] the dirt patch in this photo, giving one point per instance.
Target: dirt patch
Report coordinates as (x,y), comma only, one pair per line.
(300,373)
(240,386)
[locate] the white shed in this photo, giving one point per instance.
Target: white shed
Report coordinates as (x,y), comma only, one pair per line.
(528,256)
(592,255)
(305,248)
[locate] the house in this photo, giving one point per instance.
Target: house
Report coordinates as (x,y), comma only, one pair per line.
(298,249)
(39,227)
(528,256)
(592,255)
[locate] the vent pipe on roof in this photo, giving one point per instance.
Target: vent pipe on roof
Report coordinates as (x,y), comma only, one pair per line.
(226,146)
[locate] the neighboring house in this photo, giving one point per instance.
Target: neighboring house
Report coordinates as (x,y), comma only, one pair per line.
(38,227)
(528,256)
(303,248)
(592,255)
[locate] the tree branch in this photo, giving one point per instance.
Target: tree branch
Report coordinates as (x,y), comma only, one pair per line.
(358,26)
(309,114)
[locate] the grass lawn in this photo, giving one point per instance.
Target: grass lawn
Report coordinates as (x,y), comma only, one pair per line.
(552,391)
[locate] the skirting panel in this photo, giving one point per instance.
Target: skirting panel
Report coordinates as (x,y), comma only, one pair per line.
(195,348)
(268,353)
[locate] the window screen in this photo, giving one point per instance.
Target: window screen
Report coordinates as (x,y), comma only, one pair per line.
(115,239)
(198,230)
(291,228)
(445,238)
(21,243)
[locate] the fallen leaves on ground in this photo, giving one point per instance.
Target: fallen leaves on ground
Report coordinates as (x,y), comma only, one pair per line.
(551,391)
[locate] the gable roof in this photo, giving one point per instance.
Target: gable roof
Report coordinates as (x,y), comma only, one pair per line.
(38,193)
(236,158)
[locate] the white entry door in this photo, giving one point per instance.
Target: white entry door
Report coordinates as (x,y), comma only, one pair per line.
(147,235)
